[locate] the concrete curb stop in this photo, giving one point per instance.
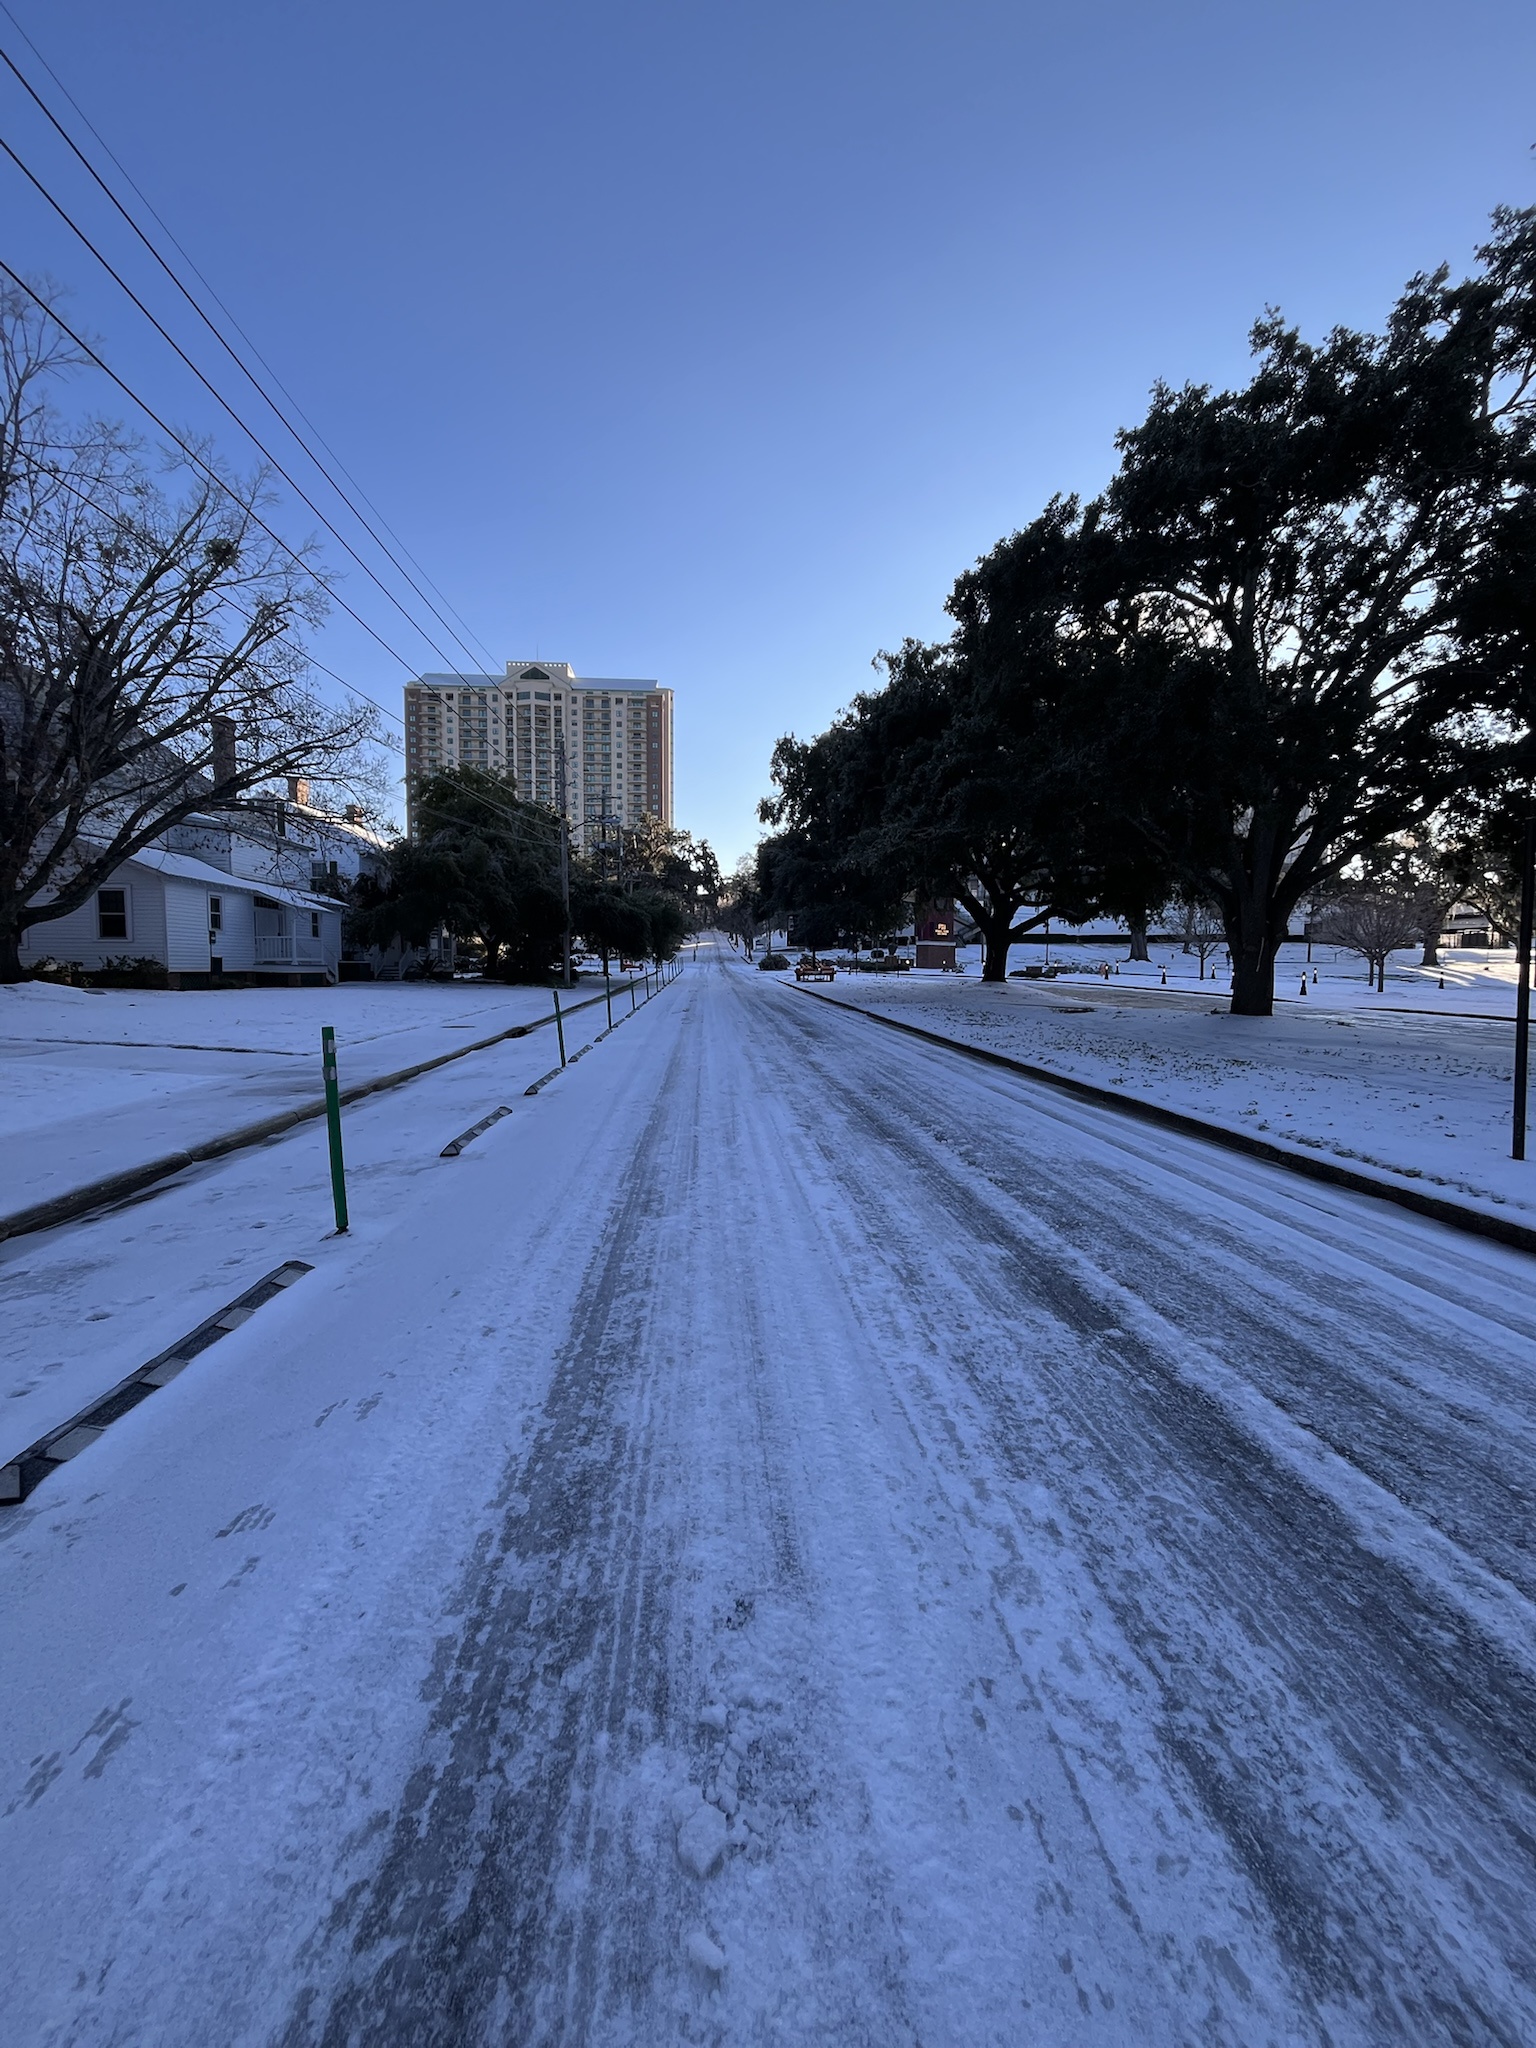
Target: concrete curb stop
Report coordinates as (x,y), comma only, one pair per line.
(23,1473)
(456,1145)
(1520,1237)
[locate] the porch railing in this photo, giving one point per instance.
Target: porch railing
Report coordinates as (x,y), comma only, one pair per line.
(289,949)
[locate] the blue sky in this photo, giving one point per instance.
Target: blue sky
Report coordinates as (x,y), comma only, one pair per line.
(710,342)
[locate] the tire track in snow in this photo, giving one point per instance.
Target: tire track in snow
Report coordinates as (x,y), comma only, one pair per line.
(1073,1703)
(459,1936)
(530,1890)
(1358,1646)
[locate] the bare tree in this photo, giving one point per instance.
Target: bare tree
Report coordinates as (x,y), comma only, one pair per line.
(148,664)
(1199,926)
(1420,867)
(1372,922)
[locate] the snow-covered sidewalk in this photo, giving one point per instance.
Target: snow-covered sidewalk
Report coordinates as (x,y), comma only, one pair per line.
(1421,1098)
(99,1083)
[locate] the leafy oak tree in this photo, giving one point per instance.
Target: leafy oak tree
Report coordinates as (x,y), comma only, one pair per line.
(1315,595)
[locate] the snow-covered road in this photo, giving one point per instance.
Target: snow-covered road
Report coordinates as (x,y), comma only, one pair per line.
(1091,1574)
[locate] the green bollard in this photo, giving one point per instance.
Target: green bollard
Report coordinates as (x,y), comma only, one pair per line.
(559,1027)
(333,1127)
(608,997)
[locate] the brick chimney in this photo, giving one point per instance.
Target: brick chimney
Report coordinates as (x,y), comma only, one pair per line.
(353,814)
(222,729)
(298,789)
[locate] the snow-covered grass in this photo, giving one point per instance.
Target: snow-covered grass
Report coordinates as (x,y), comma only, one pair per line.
(89,1301)
(1420,1096)
(254,1019)
(98,1082)
(1475,980)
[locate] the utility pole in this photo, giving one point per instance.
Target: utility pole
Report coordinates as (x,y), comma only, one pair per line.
(565,856)
(1523,985)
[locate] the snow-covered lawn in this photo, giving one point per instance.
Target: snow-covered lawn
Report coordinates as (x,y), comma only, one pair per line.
(99,1082)
(90,1301)
(252,1019)
(1421,1096)
(1477,981)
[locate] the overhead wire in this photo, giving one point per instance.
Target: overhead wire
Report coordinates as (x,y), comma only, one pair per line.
(200,462)
(191,453)
(221,400)
(214,295)
(213,329)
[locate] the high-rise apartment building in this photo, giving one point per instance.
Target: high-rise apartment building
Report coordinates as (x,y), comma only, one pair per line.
(615,733)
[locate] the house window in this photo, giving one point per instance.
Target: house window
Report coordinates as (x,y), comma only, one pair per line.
(112,913)
(215,915)
(314,924)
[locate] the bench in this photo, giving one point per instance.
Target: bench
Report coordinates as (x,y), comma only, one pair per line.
(815,970)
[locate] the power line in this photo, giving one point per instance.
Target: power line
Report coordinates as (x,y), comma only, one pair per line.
(244,369)
(234,357)
(201,463)
(192,456)
(221,400)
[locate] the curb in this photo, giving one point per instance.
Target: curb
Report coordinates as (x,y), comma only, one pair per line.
(134,1179)
(1520,1237)
(22,1473)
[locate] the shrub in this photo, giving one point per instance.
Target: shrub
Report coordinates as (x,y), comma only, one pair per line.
(130,970)
(773,963)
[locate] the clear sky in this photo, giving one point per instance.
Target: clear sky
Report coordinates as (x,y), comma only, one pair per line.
(711,341)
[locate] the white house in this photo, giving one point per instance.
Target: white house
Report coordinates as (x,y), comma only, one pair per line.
(198,921)
(253,890)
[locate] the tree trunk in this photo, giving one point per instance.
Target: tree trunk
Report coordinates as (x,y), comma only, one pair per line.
(1253,978)
(996,936)
(1431,950)
(10,954)
(1138,929)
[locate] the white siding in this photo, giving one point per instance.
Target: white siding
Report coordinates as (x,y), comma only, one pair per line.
(237,951)
(186,927)
(77,936)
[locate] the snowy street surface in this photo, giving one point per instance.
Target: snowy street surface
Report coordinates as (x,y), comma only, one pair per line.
(795,1537)
(1399,1091)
